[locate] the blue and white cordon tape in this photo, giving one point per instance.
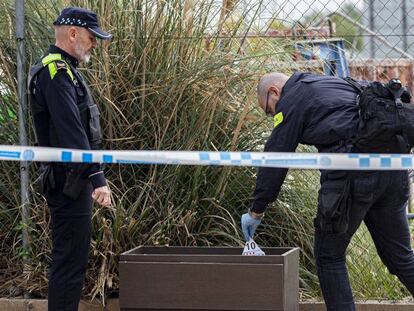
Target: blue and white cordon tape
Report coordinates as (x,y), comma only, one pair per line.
(342,161)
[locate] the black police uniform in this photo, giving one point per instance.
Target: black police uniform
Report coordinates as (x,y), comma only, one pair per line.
(322,111)
(65,116)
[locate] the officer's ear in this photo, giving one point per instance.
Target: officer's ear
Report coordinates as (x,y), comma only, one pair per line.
(72,33)
(274,89)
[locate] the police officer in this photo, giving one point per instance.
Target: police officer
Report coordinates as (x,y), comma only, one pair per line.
(321,111)
(66,116)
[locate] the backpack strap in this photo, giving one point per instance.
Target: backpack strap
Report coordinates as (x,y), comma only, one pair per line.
(396,89)
(403,140)
(351,142)
(358,87)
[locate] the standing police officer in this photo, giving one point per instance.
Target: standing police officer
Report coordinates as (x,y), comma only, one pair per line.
(66,116)
(322,111)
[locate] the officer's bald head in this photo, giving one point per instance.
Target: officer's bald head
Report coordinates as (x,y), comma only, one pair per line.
(272,84)
(63,35)
(61,32)
(270,79)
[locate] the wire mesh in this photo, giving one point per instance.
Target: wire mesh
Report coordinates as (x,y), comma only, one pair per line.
(163,87)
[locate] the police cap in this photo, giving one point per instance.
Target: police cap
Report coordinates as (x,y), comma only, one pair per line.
(74,16)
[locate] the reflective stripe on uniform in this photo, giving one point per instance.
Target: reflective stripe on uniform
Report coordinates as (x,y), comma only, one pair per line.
(50,60)
(278,119)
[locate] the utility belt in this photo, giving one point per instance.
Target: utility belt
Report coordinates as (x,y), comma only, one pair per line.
(54,176)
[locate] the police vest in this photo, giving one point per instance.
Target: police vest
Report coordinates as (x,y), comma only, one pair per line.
(88,110)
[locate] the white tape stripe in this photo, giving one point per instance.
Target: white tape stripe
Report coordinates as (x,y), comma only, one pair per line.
(260,159)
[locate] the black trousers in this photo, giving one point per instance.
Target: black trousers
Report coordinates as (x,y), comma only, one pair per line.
(71,235)
(379,199)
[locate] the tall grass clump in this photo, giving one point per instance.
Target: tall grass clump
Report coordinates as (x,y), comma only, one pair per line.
(178,75)
(168,81)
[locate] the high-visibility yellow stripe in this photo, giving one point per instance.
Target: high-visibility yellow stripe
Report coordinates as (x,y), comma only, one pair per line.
(278,118)
(52,69)
(50,60)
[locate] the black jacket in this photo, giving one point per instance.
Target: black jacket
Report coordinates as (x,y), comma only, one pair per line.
(60,99)
(316,110)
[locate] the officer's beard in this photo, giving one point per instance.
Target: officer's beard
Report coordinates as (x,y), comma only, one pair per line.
(82,54)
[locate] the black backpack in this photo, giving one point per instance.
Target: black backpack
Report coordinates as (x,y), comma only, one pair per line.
(386,118)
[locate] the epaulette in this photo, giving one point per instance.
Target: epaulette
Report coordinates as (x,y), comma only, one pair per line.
(61,65)
(55,62)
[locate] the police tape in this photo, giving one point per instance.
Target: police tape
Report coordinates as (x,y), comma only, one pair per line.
(339,161)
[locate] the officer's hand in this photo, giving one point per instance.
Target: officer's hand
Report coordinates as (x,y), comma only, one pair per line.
(249,223)
(102,196)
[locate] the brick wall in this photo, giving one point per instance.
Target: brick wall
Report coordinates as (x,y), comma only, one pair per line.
(383,70)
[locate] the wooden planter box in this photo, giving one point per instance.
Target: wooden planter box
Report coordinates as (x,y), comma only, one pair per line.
(208,278)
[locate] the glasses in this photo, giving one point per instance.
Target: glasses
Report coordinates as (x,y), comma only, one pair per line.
(267,112)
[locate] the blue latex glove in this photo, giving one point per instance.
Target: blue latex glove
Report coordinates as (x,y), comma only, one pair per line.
(249,225)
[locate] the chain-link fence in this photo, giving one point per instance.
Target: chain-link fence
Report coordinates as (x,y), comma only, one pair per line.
(181,75)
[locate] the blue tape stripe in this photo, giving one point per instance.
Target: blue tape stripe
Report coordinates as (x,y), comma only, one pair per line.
(87,157)
(257,162)
(406,162)
(66,156)
(385,162)
(224,156)
(204,156)
(236,162)
(364,162)
(10,154)
(246,156)
(292,162)
(134,162)
(106,158)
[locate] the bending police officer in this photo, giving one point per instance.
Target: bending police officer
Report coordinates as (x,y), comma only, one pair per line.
(66,116)
(322,111)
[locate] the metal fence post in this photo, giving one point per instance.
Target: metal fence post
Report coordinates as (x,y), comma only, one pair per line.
(372,27)
(404,25)
(21,89)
